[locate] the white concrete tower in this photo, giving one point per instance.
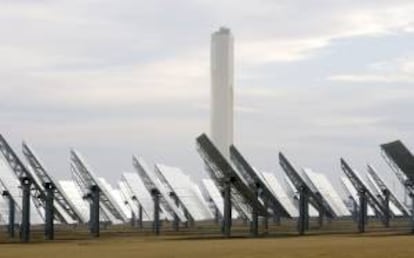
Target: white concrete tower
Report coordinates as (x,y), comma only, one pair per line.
(221,65)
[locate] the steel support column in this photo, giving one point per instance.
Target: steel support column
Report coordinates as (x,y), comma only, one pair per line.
(176,222)
(91,216)
(190,220)
(49,211)
(254,224)
(276,219)
(140,219)
(266,217)
(133,219)
(12,209)
(387,212)
(307,217)
(354,209)
(216,215)
(227,209)
(134,216)
(321,214)
(412,212)
(303,211)
(156,223)
(362,210)
(95,208)
(25,225)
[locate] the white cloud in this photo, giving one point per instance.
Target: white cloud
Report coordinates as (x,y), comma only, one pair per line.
(278,50)
(400,70)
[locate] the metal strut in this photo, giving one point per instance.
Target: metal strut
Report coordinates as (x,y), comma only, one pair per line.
(21,171)
(227,209)
(94,210)
(254,224)
(25,225)
(303,210)
(362,215)
(12,213)
(44,177)
(156,223)
(49,227)
(360,186)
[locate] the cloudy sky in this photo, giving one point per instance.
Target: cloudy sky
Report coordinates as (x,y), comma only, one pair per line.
(315,79)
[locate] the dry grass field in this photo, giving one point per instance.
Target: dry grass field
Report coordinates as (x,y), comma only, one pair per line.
(206,243)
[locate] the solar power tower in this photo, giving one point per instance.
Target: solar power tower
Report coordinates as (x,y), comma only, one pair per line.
(258,185)
(63,206)
(98,194)
(162,201)
(236,192)
(365,197)
(385,193)
(29,186)
(306,196)
(401,161)
(185,191)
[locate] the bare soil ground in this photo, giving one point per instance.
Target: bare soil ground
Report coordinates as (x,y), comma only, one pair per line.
(203,242)
(375,246)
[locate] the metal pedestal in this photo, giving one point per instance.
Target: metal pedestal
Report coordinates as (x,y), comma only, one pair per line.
(362,215)
(156,223)
(227,209)
(94,212)
(49,212)
(12,209)
(25,226)
(303,220)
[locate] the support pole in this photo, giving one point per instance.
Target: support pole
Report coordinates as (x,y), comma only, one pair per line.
(140,223)
(216,213)
(91,216)
(176,222)
(12,205)
(95,227)
(306,214)
(362,210)
(25,226)
(321,211)
(354,209)
(276,219)
(227,208)
(190,221)
(133,219)
(387,211)
(156,223)
(412,212)
(321,215)
(266,217)
(49,212)
(254,224)
(303,203)
(134,216)
(222,223)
